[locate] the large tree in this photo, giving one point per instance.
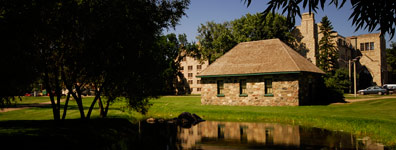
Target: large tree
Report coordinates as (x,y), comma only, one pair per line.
(391,61)
(215,39)
(366,14)
(327,52)
(110,43)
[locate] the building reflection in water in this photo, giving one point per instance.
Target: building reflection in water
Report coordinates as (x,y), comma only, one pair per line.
(229,135)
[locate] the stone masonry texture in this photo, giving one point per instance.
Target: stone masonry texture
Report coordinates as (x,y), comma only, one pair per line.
(288,90)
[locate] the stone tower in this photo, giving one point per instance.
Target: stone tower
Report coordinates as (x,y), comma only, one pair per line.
(309,33)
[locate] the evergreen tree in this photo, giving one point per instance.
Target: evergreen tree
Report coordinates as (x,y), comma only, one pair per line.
(327,54)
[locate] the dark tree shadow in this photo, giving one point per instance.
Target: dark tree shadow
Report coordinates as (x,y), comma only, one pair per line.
(68,134)
(297,44)
(182,85)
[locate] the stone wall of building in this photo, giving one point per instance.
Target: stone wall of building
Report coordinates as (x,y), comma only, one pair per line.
(373,60)
(285,91)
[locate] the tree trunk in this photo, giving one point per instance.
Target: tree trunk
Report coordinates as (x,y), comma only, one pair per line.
(76,97)
(101,109)
(55,112)
(66,105)
(92,105)
(107,108)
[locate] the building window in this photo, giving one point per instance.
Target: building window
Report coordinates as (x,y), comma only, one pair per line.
(199,89)
(198,81)
(361,46)
(199,67)
(190,75)
(220,88)
(190,81)
(190,68)
(366,46)
(268,87)
(242,87)
(191,89)
(371,45)
(184,58)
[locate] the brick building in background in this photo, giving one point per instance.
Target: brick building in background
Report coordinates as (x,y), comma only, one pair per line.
(369,48)
(188,82)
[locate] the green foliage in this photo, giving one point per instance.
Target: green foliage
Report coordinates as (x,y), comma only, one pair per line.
(391,61)
(215,39)
(110,43)
(327,53)
(171,48)
(339,81)
(366,14)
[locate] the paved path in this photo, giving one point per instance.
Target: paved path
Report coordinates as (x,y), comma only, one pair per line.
(368,99)
(26,106)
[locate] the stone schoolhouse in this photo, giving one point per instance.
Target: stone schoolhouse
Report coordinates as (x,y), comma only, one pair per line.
(263,73)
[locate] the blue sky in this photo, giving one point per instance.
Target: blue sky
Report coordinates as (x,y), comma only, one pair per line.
(202,11)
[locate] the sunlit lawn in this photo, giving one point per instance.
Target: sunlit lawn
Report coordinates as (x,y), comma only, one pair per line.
(375,118)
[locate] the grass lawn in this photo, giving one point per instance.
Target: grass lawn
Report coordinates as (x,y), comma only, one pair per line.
(376,118)
(30,100)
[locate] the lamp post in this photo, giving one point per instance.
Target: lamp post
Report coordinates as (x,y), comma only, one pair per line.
(354,74)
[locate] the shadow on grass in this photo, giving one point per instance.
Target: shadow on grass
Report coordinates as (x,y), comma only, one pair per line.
(68,134)
(98,134)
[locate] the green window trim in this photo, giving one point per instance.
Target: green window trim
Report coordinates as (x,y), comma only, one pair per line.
(220,95)
(268,95)
(243,95)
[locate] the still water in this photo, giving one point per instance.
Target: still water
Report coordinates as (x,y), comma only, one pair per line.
(237,135)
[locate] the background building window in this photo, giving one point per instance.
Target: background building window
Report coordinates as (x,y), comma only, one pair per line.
(242,86)
(220,87)
(199,67)
(366,46)
(362,46)
(198,81)
(184,58)
(190,81)
(190,75)
(199,89)
(190,68)
(191,89)
(371,45)
(268,86)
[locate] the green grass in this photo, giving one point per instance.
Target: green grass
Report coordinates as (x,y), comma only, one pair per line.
(30,100)
(376,118)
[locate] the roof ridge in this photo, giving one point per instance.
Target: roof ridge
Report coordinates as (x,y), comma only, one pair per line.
(294,62)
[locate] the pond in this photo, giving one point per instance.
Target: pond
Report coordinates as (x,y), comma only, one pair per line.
(242,135)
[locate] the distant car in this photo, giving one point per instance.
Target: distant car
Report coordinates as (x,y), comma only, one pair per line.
(373,90)
(390,87)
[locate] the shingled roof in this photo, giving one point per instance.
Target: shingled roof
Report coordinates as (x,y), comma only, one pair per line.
(259,57)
